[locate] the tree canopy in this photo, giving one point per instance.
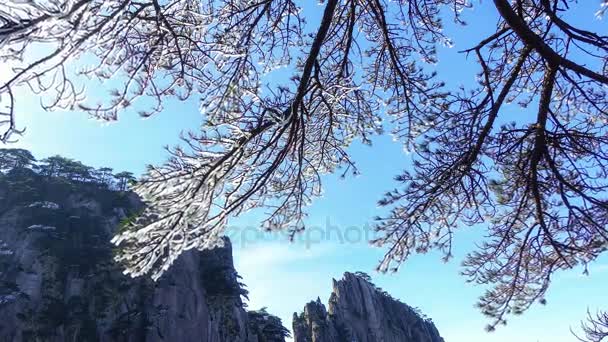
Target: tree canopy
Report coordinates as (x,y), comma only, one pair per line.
(63,168)
(11,158)
(124,178)
(539,183)
(267,326)
(58,166)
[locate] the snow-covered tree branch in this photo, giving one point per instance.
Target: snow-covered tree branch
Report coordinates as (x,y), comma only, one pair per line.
(537,181)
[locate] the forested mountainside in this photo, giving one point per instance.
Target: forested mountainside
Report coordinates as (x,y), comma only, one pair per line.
(58,280)
(359,311)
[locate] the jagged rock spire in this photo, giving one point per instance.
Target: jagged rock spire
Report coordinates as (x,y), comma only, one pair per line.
(359,311)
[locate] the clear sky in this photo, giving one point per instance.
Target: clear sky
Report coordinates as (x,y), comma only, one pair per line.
(283,276)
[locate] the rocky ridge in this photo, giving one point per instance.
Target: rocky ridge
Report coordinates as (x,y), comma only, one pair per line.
(358,311)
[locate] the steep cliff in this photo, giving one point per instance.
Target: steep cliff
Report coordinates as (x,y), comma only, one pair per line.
(358,311)
(58,281)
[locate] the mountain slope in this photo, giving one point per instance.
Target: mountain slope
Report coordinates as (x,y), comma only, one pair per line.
(58,281)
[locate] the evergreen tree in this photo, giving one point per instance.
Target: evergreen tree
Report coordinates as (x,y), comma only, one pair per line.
(123,179)
(75,170)
(267,327)
(105,175)
(11,158)
(54,166)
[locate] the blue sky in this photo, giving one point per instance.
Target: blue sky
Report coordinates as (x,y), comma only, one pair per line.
(284,276)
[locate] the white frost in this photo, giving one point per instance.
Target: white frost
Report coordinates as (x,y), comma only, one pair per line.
(44,204)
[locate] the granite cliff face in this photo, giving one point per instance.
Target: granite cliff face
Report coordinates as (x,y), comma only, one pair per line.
(58,281)
(358,311)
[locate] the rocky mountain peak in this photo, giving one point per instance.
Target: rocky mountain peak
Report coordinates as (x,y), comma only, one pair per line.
(359,311)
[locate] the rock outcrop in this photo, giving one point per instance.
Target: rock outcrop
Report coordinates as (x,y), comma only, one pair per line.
(58,281)
(358,311)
